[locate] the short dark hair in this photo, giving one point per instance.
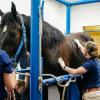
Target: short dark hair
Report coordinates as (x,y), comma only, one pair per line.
(92,49)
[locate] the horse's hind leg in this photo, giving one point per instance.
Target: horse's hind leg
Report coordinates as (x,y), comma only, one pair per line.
(45,93)
(60,89)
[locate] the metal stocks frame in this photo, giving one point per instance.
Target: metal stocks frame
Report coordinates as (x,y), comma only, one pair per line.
(35,41)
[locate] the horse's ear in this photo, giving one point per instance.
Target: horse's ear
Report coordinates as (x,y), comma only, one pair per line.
(13,11)
(1,13)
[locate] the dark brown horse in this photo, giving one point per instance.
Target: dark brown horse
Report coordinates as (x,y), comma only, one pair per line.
(54,43)
(11,38)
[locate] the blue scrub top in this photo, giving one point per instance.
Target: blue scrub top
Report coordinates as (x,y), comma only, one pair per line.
(91,79)
(5,67)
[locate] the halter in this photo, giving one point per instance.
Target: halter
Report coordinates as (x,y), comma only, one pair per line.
(22,43)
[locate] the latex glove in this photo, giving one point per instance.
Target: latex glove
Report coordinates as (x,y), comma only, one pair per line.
(61,62)
(77,42)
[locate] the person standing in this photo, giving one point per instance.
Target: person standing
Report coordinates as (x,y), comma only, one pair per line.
(7,75)
(90,70)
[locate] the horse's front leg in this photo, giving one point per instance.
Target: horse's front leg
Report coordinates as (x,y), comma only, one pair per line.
(45,93)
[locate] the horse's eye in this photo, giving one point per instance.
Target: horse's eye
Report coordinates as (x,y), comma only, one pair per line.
(5,28)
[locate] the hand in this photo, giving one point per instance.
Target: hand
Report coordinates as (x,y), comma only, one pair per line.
(77,42)
(61,62)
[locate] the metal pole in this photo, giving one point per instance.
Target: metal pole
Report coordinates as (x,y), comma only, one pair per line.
(59,79)
(68,20)
(84,2)
(35,54)
(64,2)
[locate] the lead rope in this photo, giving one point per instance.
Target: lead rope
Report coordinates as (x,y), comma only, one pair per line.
(59,84)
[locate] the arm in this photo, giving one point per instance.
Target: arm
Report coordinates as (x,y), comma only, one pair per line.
(79,70)
(8,73)
(82,48)
(10,81)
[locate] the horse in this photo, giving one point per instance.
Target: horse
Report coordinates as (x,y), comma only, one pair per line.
(54,43)
(11,40)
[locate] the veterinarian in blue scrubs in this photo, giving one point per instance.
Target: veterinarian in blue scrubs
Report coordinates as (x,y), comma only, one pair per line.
(7,75)
(90,70)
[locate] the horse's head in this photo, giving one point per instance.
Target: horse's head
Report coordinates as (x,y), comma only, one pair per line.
(11,29)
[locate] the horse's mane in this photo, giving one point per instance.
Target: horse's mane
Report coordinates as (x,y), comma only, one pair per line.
(51,36)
